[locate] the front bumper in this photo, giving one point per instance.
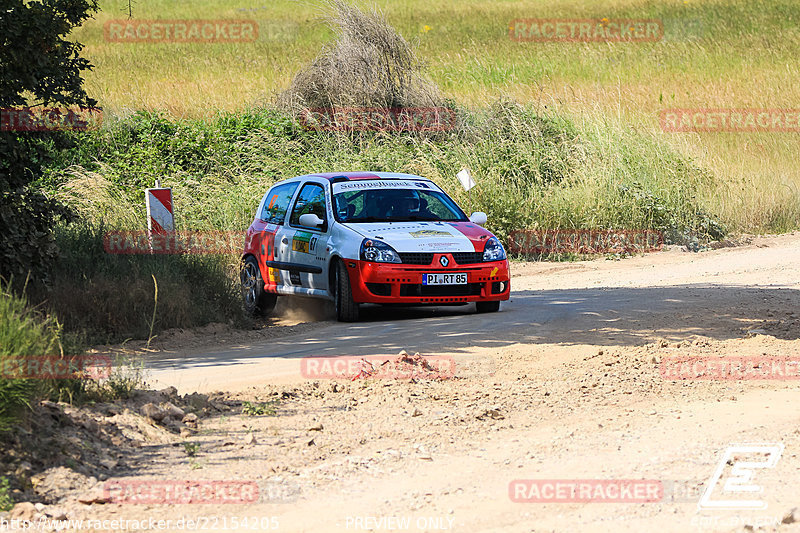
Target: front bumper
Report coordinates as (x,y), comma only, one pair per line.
(396,283)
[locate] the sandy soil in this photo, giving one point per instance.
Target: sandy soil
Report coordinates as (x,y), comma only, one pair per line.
(566,383)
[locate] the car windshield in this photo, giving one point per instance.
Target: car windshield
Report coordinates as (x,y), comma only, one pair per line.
(396,205)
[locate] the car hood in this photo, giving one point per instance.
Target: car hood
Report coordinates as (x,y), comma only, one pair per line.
(426,236)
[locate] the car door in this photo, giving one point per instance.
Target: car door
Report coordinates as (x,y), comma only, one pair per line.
(276,207)
(307,246)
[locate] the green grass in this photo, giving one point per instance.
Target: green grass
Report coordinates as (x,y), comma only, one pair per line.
(111,297)
(27,332)
(259,408)
(720,53)
(6,502)
(466,45)
(191,448)
(127,375)
(23,333)
(534,170)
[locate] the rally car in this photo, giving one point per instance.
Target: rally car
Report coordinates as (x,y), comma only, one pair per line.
(369,238)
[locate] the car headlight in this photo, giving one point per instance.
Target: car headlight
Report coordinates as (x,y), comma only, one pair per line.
(493,251)
(378,252)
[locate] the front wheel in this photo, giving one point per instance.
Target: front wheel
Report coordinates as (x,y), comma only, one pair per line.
(487,307)
(346,308)
(257,301)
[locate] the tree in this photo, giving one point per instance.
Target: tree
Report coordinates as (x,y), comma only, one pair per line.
(38,67)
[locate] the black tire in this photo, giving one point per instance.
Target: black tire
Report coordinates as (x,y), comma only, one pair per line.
(346,308)
(257,301)
(487,307)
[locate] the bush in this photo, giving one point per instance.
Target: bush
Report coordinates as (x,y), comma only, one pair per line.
(26,213)
(38,66)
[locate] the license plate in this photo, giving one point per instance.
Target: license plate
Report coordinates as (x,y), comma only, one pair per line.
(458,278)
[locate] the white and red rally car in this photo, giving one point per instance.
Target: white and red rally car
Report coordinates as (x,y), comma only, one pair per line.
(370,237)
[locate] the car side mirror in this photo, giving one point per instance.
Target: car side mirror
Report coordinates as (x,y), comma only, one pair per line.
(310,220)
(478,217)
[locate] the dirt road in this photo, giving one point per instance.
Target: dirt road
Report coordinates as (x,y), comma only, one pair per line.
(718,294)
(565,383)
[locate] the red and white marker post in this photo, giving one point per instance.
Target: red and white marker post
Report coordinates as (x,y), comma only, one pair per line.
(160,217)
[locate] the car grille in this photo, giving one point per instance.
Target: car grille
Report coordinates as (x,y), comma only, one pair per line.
(416,258)
(466,258)
(461,258)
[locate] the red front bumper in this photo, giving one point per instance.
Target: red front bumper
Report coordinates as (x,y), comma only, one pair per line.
(393,283)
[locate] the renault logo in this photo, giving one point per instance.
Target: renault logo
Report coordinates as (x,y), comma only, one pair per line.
(444,261)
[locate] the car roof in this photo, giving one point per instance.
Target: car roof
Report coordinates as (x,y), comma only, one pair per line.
(346,176)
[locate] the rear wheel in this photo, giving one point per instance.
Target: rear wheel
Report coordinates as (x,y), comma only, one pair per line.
(346,308)
(487,307)
(257,302)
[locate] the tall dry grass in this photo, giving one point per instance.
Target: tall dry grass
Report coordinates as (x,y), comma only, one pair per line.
(368,64)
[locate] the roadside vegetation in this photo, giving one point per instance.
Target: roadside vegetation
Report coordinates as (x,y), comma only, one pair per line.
(22,333)
(6,502)
(535,168)
(714,54)
(29,334)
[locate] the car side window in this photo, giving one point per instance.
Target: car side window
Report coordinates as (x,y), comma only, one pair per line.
(278,203)
(310,200)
